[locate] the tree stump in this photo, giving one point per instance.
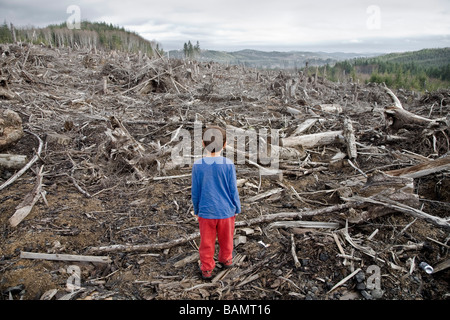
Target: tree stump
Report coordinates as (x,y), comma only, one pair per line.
(11,129)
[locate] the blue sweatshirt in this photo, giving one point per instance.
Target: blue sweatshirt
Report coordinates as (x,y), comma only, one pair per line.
(214,188)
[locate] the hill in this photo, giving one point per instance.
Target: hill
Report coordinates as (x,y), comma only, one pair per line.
(272,59)
(427,69)
(438,57)
(90,35)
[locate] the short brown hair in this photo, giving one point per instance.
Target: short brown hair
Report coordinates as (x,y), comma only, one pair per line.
(214,138)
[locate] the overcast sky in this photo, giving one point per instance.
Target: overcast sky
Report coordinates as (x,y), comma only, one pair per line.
(276,25)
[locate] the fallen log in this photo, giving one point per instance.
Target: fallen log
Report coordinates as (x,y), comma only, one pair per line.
(400,207)
(379,184)
(329,108)
(269,173)
(64,257)
(260,147)
(423,169)
(12,161)
(261,219)
(313,140)
(304,224)
(414,172)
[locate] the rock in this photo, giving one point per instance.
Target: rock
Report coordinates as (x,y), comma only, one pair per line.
(360,276)
(361,286)
(323,256)
(376,293)
(366,295)
(310,296)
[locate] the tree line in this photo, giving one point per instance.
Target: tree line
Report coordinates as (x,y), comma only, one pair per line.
(427,69)
(90,35)
(191,51)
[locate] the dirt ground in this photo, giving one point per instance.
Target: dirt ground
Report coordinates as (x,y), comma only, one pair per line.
(60,91)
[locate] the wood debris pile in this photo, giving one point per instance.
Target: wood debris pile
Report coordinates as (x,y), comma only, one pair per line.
(93,205)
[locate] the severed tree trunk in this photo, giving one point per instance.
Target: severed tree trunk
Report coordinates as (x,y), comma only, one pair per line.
(394,98)
(12,161)
(400,207)
(398,118)
(329,108)
(313,140)
(349,135)
(423,169)
(381,185)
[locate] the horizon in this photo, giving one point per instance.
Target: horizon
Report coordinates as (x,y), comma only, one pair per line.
(289,25)
(321,49)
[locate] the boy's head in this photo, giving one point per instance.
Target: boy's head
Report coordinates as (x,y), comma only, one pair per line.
(214,139)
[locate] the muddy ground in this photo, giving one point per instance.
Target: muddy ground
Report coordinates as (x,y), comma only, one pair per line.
(61,91)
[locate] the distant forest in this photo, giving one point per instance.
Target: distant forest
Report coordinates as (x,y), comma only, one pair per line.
(90,35)
(427,69)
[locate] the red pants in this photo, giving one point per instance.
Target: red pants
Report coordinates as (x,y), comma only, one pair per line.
(209,229)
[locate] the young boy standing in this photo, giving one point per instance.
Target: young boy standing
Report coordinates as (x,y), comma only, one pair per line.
(215,199)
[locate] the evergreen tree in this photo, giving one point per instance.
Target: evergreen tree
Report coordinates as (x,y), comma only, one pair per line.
(5,33)
(191,51)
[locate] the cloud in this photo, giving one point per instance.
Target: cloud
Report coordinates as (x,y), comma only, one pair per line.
(250,24)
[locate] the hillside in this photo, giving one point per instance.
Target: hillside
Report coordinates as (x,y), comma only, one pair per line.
(427,69)
(272,59)
(423,58)
(91,35)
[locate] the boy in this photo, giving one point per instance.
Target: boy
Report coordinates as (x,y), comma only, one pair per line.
(215,200)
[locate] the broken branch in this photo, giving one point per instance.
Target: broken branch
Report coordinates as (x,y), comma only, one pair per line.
(29,164)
